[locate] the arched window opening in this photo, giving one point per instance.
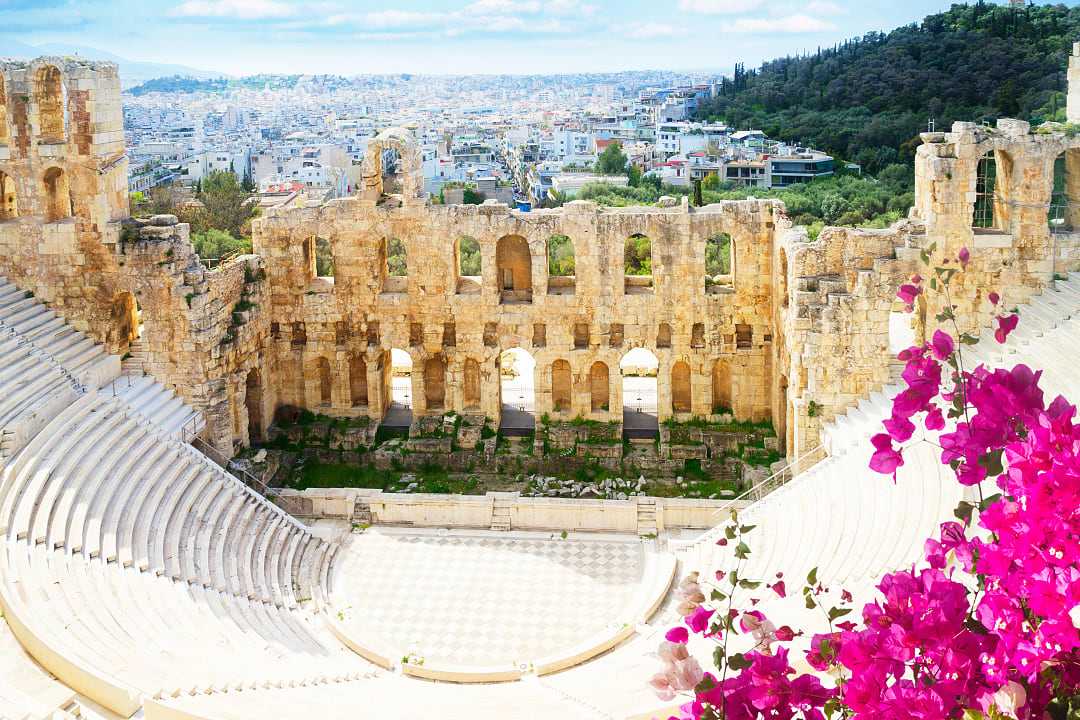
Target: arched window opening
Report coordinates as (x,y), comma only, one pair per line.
(599,387)
(680,388)
(358,386)
(472,385)
(561,265)
(560,386)
(9,203)
(991,177)
(325,380)
(638,369)
(324,258)
(435,382)
(1064,212)
(513,263)
(719,264)
(49,95)
(663,336)
(125,323)
(697,335)
(782,280)
(399,379)
(391,168)
(57,195)
(469,264)
(253,402)
(637,265)
(517,373)
(395,266)
(721,388)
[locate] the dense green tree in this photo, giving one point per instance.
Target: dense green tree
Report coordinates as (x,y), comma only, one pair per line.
(213,243)
(468,257)
(867,99)
(226,206)
(637,256)
(612,161)
(396,259)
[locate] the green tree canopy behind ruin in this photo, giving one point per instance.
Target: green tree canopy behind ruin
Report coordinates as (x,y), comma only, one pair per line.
(867,99)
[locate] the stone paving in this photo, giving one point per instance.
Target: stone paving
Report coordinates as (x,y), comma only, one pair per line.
(470,598)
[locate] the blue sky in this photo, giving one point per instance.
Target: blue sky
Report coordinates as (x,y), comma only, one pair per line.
(437,36)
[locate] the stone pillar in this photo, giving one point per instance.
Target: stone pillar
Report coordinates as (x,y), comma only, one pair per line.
(1072,106)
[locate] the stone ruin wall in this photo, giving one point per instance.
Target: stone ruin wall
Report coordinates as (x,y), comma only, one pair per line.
(63,174)
(242,340)
(438,317)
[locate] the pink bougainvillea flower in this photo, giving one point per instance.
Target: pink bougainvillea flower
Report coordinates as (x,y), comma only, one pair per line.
(994,298)
(942,345)
(1006,324)
(964,257)
(678,635)
(698,620)
(779,588)
(907,294)
(885,459)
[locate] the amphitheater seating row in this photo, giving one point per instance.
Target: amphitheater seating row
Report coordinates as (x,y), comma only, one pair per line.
(101,483)
(27,692)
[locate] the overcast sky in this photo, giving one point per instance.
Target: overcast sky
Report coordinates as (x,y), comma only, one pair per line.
(437,36)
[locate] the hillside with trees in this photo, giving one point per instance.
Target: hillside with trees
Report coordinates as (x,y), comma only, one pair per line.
(867,99)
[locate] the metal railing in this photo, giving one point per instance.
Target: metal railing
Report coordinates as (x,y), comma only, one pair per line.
(286,504)
(761,490)
(218,262)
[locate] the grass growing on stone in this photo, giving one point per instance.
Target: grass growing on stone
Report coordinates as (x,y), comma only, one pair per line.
(335,475)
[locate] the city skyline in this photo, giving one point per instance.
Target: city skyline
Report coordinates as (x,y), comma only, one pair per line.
(241,37)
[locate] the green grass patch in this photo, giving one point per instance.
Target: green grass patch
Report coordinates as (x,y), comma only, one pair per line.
(336,475)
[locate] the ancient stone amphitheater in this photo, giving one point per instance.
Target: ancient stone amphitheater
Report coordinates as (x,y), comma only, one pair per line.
(139,576)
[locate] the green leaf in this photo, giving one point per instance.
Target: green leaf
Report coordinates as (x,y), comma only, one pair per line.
(933,283)
(729,532)
(969,339)
(963,511)
(706,684)
(718,657)
(971,714)
(742,551)
(836,612)
(749,584)
(810,603)
(992,461)
(746,528)
(988,501)
(738,661)
(717,596)
(811,577)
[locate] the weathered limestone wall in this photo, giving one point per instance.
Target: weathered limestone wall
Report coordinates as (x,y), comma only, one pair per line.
(62,150)
(442,319)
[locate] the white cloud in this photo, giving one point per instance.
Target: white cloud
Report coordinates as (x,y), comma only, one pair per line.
(789,24)
(503,6)
(386,19)
(719,7)
(824,7)
(649,31)
(242,9)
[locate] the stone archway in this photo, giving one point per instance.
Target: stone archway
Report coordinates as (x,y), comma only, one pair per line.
(681,394)
(124,320)
(638,368)
(358,384)
(435,382)
(599,387)
(517,391)
(253,402)
(561,384)
(9,202)
(721,387)
(325,381)
(399,144)
(513,269)
(57,195)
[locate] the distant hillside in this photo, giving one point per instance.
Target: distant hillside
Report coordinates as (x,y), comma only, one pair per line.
(868,99)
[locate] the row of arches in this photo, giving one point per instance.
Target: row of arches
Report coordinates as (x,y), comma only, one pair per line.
(517,372)
(56,194)
(50,96)
(514,272)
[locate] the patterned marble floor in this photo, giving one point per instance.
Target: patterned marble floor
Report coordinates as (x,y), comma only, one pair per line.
(480,598)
